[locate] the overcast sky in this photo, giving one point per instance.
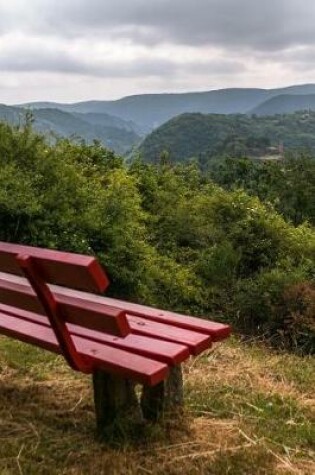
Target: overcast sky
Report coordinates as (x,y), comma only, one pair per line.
(71,50)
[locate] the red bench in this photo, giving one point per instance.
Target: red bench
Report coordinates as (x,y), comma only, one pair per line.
(49,299)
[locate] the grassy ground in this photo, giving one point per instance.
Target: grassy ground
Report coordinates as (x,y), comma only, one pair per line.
(248,411)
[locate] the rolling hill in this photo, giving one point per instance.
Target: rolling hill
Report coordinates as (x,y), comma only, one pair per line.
(285,104)
(212,135)
(113,132)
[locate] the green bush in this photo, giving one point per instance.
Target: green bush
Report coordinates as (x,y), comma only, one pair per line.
(279,306)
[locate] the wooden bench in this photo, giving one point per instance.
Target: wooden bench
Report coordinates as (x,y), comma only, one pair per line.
(49,299)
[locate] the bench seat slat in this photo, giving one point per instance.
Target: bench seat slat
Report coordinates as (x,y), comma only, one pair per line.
(217,331)
(159,350)
(164,351)
(81,311)
(85,301)
(17,292)
(196,342)
(117,361)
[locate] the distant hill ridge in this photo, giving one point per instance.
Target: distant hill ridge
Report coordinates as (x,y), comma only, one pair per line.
(149,111)
(285,103)
(113,132)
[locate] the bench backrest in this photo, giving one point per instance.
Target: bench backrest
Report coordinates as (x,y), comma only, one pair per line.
(60,268)
(63,269)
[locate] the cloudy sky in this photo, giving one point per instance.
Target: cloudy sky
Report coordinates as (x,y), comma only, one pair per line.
(71,50)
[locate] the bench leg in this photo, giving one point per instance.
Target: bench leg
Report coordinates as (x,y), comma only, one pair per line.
(114,399)
(164,397)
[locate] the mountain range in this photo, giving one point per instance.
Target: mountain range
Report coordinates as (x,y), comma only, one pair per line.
(122,124)
(149,111)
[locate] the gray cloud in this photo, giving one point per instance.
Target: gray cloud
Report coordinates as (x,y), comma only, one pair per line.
(26,61)
(60,60)
(155,45)
(302,57)
(268,25)
(65,64)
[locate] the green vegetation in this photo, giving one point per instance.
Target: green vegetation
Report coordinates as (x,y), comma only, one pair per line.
(207,138)
(168,236)
(243,259)
(289,184)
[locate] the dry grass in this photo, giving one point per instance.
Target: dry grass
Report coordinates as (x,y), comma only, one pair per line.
(248,411)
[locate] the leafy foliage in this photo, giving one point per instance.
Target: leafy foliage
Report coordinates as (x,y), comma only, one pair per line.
(168,236)
(288,184)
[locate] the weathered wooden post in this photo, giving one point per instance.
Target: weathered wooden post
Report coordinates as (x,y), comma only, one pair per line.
(165,397)
(115,399)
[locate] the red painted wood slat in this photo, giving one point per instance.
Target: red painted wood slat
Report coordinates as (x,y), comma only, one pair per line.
(164,351)
(67,297)
(17,292)
(217,331)
(114,360)
(61,268)
(196,342)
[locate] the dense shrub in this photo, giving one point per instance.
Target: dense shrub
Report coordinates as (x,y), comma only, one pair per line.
(280,306)
(243,255)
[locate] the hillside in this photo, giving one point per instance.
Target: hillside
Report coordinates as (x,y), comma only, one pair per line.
(107,120)
(113,132)
(149,111)
(210,136)
(285,103)
(12,115)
